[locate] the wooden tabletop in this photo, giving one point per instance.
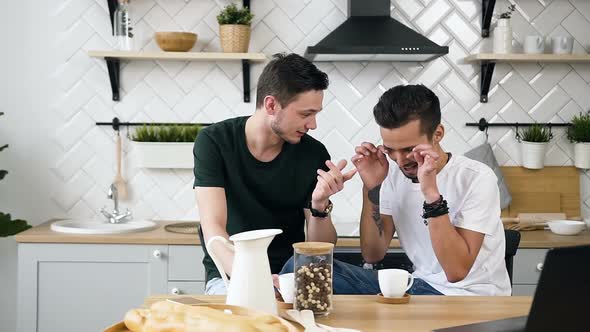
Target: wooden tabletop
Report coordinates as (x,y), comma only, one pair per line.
(423,313)
(43,234)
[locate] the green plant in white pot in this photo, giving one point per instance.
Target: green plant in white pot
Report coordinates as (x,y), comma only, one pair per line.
(579,134)
(169,146)
(534,142)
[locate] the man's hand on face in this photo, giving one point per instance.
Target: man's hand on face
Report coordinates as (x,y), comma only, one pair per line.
(371,163)
(329,183)
(427,160)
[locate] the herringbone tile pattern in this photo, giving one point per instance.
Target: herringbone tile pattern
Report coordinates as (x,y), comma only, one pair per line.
(211,91)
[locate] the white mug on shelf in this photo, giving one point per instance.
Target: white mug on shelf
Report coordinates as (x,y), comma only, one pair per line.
(534,44)
(562,44)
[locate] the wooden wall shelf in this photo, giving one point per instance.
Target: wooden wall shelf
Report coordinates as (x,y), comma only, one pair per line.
(488,63)
(113,63)
(113,57)
(520,57)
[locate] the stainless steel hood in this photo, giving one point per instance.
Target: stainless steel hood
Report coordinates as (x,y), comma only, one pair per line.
(370,34)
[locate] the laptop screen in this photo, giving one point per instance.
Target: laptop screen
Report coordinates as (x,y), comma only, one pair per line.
(563,292)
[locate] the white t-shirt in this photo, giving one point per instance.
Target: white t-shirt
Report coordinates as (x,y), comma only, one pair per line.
(471,191)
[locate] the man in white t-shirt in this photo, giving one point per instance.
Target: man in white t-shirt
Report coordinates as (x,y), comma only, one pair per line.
(445,208)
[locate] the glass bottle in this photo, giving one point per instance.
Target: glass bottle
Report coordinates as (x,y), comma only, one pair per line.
(313,277)
(123,29)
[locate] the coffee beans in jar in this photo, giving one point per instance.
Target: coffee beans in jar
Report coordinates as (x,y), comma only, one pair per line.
(313,277)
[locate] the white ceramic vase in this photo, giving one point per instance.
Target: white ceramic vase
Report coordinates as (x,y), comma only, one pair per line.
(533,154)
(503,37)
(582,155)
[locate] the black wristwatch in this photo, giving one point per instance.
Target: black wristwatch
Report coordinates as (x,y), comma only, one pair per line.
(321,214)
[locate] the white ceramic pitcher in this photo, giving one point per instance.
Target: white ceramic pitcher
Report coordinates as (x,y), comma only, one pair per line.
(251,280)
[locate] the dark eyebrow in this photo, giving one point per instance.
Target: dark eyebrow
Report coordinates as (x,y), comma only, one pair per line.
(406,148)
(311,110)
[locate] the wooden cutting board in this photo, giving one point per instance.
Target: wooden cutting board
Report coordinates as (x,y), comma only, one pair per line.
(550,189)
(236,310)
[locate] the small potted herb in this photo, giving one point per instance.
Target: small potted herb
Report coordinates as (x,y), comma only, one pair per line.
(579,134)
(168,146)
(503,32)
(234,28)
(534,144)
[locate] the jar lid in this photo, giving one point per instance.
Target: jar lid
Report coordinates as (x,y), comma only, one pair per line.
(313,248)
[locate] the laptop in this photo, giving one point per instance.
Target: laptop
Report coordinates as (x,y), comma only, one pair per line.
(561,299)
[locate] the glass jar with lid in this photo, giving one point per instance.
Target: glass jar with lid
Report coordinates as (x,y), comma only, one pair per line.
(313,266)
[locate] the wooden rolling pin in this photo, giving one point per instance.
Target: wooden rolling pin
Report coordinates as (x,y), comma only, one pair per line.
(530,221)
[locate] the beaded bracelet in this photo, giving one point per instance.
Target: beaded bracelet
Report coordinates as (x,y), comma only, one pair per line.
(435,209)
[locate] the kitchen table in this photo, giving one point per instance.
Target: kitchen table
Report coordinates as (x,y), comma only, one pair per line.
(423,313)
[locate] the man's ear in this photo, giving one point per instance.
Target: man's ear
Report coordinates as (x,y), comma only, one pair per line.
(439,133)
(271,105)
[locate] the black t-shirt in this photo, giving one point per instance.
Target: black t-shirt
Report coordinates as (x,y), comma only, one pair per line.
(259,194)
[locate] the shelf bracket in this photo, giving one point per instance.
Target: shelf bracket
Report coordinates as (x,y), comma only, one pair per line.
(487,71)
(487,10)
(246,80)
(112,7)
(113,65)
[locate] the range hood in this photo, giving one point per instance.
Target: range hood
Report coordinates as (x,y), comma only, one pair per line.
(370,34)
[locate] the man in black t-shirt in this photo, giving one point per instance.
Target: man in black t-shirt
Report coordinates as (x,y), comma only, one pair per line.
(264,171)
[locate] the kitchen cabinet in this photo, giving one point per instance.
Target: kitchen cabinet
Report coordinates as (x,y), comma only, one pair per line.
(86,287)
(528,264)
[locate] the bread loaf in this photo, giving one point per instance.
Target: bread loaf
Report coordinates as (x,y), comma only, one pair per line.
(166,316)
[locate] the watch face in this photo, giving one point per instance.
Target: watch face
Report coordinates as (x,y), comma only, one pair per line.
(329,207)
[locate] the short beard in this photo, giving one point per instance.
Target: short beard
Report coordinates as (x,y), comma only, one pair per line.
(414,179)
(275,126)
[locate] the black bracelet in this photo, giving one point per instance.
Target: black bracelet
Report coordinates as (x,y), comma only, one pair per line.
(435,209)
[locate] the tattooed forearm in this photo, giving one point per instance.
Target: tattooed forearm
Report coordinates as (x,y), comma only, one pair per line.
(377,219)
(374,195)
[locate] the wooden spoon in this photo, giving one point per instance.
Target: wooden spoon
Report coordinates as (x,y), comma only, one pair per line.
(119,182)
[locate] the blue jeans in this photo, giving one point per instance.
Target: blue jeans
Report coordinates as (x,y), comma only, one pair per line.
(352,279)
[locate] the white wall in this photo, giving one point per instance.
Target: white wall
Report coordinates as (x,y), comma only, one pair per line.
(61,164)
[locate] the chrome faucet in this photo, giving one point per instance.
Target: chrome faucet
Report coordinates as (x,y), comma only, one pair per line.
(115,217)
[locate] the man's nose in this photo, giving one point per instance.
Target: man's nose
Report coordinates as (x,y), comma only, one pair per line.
(312,124)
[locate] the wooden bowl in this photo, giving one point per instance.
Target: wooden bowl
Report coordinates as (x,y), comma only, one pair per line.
(176,41)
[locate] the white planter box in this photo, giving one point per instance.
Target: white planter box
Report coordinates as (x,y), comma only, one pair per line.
(164,155)
(582,155)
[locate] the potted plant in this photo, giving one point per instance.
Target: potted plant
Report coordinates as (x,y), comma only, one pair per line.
(234,28)
(8,226)
(579,133)
(503,32)
(166,146)
(534,144)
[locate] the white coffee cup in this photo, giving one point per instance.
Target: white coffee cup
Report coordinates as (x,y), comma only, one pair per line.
(394,282)
(534,44)
(562,44)
(287,286)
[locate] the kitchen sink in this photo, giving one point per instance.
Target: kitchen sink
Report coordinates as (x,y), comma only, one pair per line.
(101,227)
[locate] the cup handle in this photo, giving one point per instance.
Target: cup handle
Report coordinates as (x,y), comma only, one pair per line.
(411,281)
(215,259)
